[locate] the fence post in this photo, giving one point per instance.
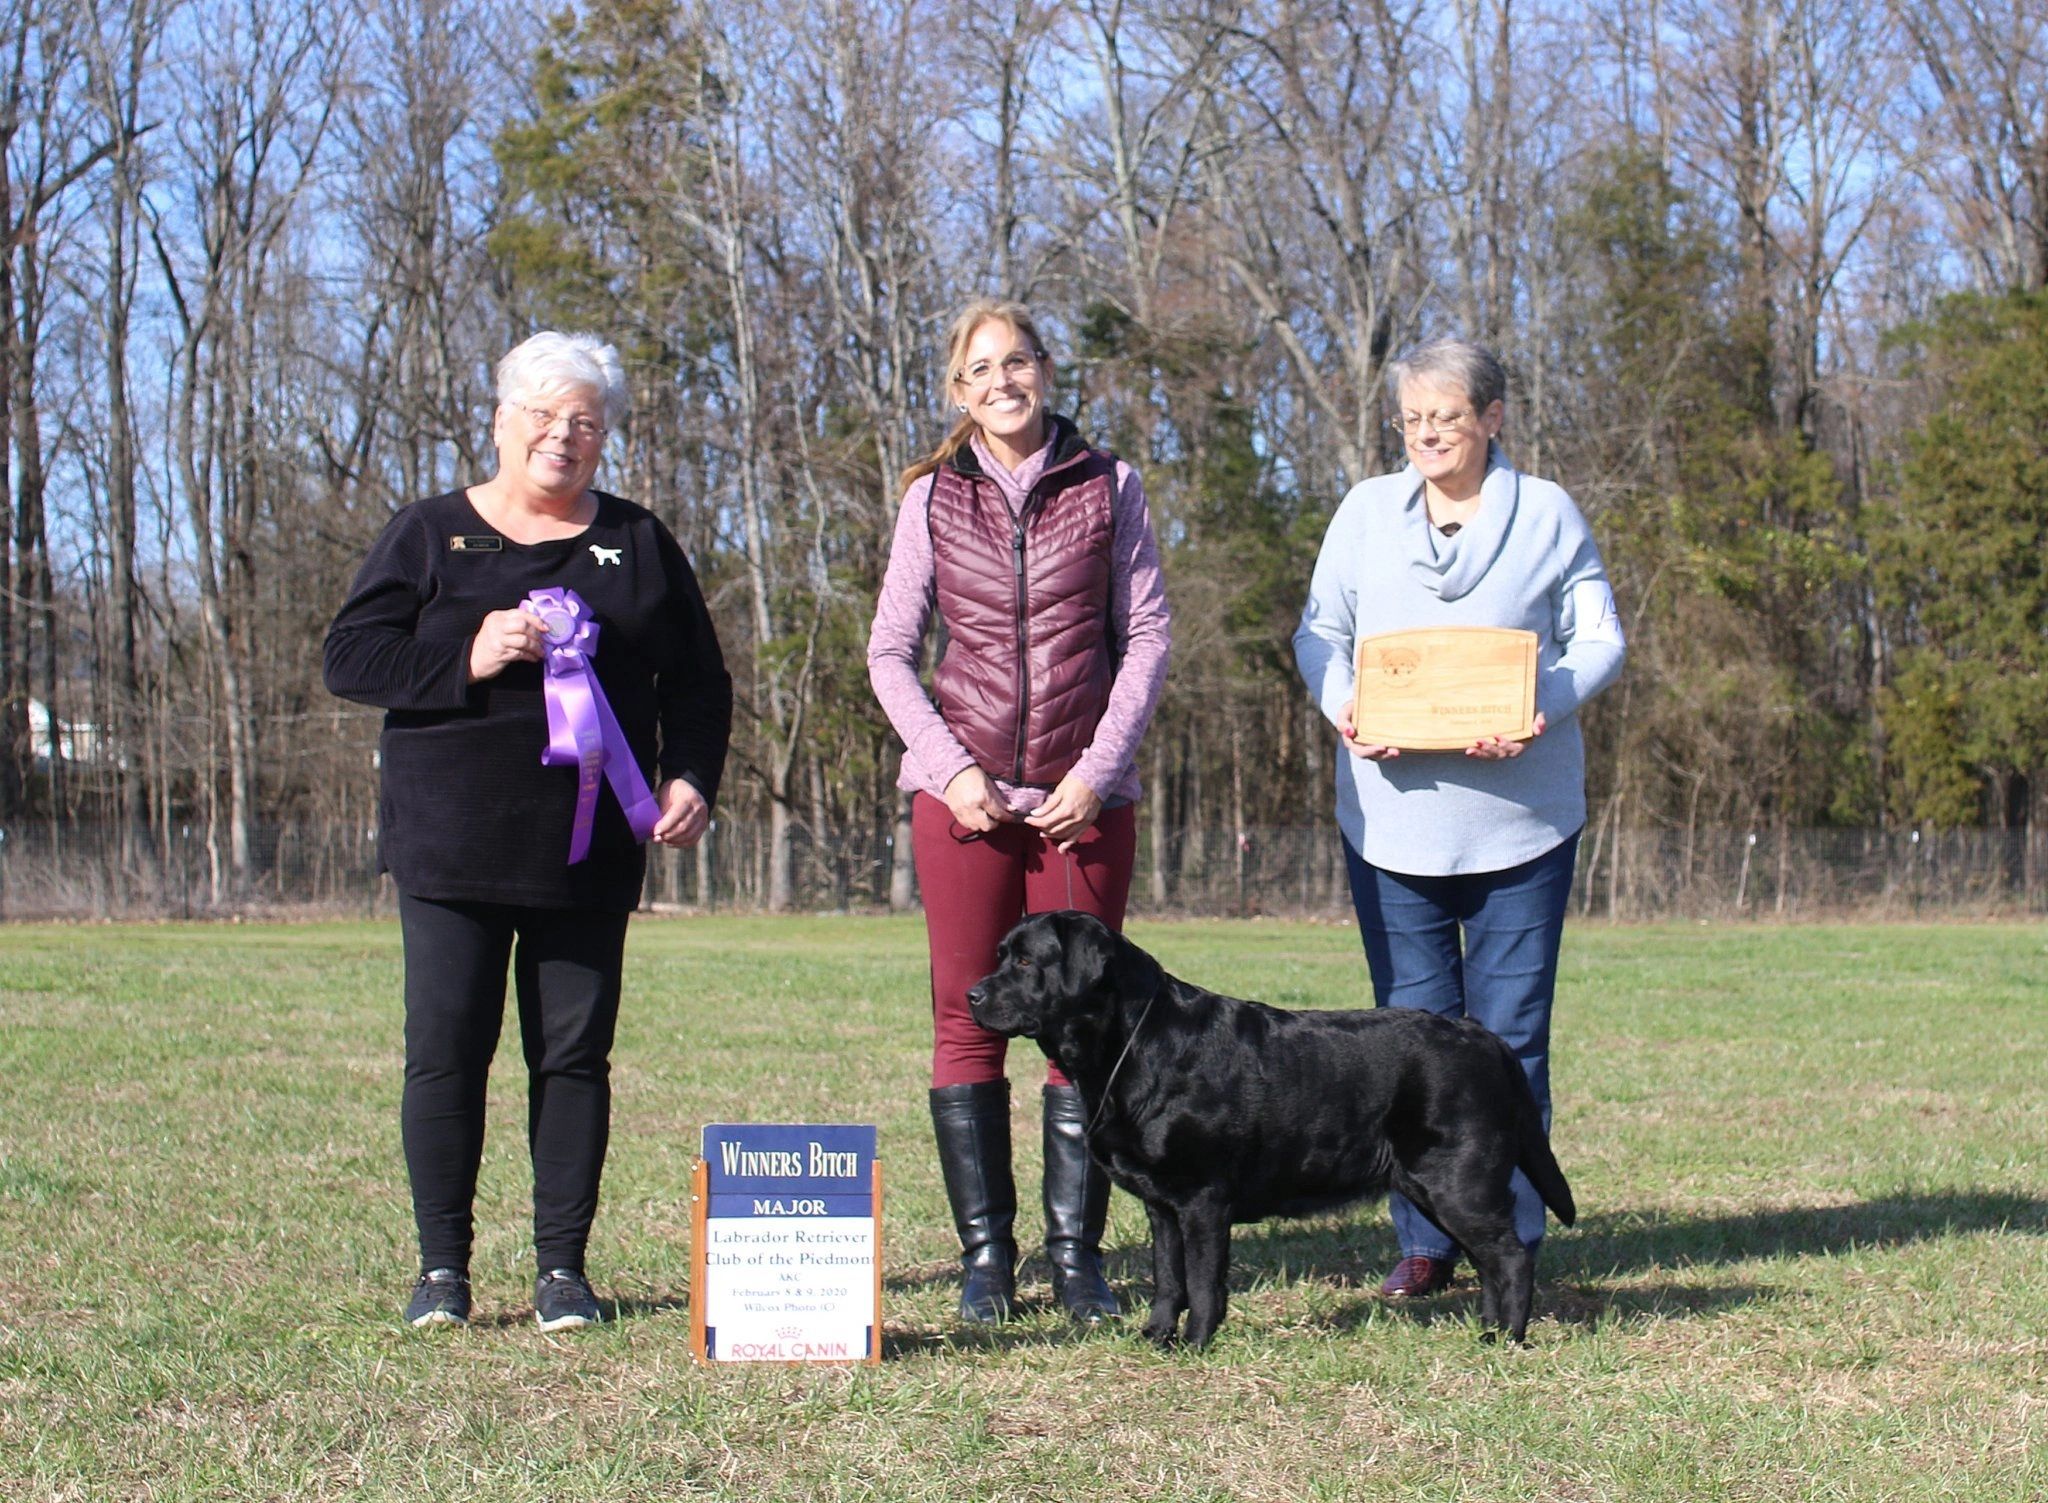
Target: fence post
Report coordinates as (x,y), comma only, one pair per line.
(1913,869)
(707,871)
(1629,869)
(1244,849)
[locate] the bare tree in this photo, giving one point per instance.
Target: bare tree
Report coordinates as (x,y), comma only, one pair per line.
(1978,128)
(1314,187)
(122,45)
(1835,65)
(260,100)
(1003,62)
(878,195)
(411,183)
(47,149)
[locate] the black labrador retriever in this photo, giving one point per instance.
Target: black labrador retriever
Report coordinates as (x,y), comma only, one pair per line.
(1215,1111)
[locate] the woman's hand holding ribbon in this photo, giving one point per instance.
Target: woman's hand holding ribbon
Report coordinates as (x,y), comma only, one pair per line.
(582,731)
(684,815)
(505,638)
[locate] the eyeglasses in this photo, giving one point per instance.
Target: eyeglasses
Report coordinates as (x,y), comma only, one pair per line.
(544,419)
(1017,367)
(1414,422)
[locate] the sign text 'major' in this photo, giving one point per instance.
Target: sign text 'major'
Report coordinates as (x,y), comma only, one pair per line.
(787,1163)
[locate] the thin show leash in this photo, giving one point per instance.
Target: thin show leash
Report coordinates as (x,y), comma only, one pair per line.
(1130,1039)
(1095,1121)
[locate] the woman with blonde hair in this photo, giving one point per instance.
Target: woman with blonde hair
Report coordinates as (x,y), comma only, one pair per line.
(1036,551)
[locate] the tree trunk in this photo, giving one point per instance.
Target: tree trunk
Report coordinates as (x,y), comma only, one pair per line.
(1158,824)
(902,864)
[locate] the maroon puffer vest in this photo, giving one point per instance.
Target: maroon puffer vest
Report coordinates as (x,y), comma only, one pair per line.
(1028,661)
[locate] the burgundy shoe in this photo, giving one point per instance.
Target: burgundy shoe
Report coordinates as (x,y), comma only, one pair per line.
(1413,1278)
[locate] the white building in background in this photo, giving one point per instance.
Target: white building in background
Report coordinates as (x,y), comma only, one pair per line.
(75,741)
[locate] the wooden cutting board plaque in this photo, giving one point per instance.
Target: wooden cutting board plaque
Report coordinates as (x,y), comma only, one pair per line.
(1441,688)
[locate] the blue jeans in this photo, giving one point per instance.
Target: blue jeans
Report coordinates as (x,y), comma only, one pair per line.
(1501,971)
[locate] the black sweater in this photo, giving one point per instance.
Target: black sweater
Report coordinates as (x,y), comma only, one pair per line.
(467,810)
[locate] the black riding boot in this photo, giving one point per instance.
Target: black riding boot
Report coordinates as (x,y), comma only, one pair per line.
(1076,1207)
(972,1123)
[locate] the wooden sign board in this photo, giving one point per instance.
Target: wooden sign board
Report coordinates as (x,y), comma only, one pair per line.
(786,1264)
(1441,688)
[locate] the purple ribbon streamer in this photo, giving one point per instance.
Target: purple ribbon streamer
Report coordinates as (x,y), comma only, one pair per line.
(582,731)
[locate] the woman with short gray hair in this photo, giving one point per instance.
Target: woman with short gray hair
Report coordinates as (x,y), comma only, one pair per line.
(1451,365)
(543,654)
(551,361)
(1461,861)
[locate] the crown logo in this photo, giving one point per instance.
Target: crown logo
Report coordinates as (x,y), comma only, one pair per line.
(788,1333)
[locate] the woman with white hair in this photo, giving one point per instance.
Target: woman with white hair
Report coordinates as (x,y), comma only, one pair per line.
(554,696)
(1461,861)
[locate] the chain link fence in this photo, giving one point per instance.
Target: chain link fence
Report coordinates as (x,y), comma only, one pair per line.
(104,870)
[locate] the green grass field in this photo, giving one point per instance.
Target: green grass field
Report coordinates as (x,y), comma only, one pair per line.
(1810,1164)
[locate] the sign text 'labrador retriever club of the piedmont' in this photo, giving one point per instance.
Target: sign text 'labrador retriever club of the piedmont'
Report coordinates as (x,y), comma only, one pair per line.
(787,1260)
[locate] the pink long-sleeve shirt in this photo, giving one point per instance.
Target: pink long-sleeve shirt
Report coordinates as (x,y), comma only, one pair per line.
(1138,619)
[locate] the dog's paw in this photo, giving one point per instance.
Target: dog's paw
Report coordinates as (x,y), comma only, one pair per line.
(1165,1336)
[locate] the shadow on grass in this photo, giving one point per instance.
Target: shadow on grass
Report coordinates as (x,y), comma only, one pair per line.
(1039,1321)
(1574,1276)
(639,1309)
(1567,1305)
(1014,1335)
(1623,1243)
(921,1276)
(1119,1264)
(615,1310)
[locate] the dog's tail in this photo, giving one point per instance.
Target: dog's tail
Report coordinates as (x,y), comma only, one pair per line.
(1537,1161)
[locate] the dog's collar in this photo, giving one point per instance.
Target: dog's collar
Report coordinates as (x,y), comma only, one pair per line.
(1103,1105)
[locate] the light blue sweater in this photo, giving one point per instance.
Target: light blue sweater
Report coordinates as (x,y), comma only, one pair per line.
(1526,559)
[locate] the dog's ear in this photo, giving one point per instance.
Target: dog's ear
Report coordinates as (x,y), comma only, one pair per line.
(1087,951)
(1133,975)
(1101,962)
(1104,978)
(1080,996)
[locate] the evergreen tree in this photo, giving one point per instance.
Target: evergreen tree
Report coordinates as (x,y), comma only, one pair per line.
(1963,560)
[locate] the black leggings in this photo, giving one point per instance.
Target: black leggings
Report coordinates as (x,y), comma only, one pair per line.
(566,976)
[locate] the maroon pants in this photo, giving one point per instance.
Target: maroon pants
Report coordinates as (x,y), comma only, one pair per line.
(976,886)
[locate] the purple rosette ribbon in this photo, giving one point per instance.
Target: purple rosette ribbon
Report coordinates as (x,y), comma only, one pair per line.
(582,731)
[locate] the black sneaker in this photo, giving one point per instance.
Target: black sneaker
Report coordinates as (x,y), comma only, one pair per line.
(440,1298)
(562,1300)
